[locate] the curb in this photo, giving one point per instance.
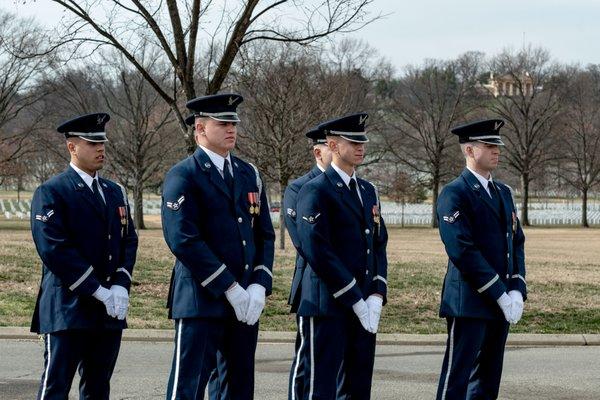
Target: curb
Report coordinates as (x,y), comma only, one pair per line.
(398,339)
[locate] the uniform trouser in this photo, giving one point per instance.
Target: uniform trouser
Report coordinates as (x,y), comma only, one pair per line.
(94,352)
(217,383)
(472,365)
(197,341)
(328,345)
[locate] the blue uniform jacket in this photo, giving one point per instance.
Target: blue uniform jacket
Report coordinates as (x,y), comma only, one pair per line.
(290,200)
(215,239)
(344,245)
(485,247)
(81,248)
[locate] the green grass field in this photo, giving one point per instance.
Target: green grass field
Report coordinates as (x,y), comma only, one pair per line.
(563,277)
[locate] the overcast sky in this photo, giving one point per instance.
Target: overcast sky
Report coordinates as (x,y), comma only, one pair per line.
(420,29)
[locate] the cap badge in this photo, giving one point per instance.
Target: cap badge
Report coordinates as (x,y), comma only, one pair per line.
(362,119)
(232,100)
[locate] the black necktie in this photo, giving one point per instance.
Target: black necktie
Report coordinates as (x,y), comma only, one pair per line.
(227,176)
(494,193)
(97,195)
(354,192)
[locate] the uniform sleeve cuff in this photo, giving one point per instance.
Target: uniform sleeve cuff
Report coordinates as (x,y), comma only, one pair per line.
(86,283)
(493,288)
(263,276)
(122,277)
(219,281)
(349,294)
(517,282)
(379,286)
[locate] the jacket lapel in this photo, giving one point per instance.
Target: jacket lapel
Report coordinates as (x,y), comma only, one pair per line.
(474,184)
(113,200)
(237,178)
(367,203)
(80,187)
(344,192)
(506,200)
(208,167)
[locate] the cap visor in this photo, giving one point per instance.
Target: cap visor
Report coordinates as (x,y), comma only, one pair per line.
(94,139)
(497,142)
(226,118)
(356,139)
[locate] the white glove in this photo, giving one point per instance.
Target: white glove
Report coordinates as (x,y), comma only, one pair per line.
(518,304)
(121,297)
(375,304)
(361,310)
(239,299)
(106,297)
(506,305)
(256,304)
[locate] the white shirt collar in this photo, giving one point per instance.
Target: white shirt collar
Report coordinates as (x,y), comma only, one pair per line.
(484,182)
(345,177)
(320,168)
(217,160)
(86,178)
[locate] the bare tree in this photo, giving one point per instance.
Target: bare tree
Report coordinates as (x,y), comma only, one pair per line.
(16,81)
(174,28)
(143,135)
(527,95)
(291,89)
(425,104)
(580,167)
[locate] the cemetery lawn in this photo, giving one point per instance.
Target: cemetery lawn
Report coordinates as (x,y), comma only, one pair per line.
(563,278)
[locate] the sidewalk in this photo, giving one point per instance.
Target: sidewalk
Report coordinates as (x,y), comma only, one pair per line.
(515,339)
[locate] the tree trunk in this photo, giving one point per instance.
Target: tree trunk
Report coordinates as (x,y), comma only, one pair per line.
(525,199)
(434,199)
(138,204)
(281,219)
(584,201)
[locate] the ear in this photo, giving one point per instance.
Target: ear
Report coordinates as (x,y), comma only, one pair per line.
(317,152)
(332,144)
(71,146)
(199,125)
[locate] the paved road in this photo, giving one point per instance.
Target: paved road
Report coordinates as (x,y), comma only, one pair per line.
(401,372)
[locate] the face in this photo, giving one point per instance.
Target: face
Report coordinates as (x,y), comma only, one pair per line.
(349,153)
(322,155)
(484,156)
(88,156)
(217,136)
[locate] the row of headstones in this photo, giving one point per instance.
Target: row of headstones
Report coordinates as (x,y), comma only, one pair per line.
(414,214)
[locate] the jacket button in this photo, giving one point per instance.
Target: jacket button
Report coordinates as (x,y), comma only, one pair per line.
(368,251)
(508,255)
(246,266)
(367,231)
(243,242)
(109,257)
(108,279)
(108,237)
(367,272)
(240,220)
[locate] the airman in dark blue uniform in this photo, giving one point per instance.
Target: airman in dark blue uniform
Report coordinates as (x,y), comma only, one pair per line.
(322,156)
(217,224)
(344,284)
(84,235)
(485,286)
